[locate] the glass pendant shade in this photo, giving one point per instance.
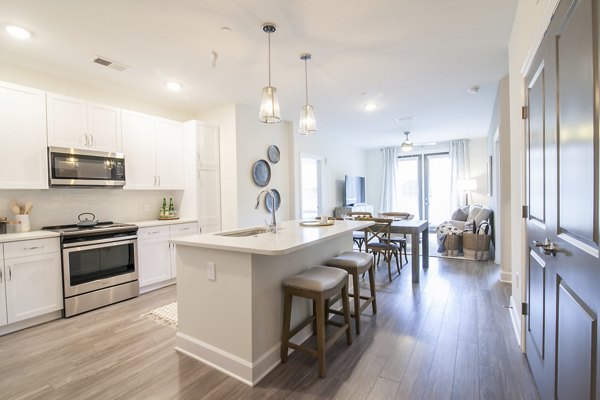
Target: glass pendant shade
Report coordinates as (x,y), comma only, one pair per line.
(307,123)
(269,106)
(407,146)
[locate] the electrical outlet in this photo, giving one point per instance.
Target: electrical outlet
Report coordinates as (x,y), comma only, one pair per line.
(146,207)
(211,272)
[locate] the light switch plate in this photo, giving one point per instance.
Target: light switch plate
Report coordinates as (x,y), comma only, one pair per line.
(211,272)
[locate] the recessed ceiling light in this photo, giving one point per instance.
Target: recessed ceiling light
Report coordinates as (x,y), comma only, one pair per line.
(174,86)
(370,106)
(17,32)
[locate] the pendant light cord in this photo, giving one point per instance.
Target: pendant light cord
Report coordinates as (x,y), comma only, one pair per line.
(269,58)
(306,79)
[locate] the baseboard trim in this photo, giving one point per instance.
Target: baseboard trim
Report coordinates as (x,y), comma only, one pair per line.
(158,285)
(505,276)
(249,373)
(516,319)
(28,323)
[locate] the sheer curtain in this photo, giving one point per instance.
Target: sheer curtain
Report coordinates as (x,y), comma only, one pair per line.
(389,191)
(459,169)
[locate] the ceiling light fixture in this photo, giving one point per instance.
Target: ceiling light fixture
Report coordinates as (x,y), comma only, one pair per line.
(17,32)
(370,106)
(307,124)
(174,86)
(269,104)
(473,89)
(407,145)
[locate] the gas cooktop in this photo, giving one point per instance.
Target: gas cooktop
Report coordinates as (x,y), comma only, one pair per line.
(100,227)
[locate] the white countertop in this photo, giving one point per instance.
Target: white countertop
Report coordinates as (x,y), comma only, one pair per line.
(290,238)
(157,222)
(14,237)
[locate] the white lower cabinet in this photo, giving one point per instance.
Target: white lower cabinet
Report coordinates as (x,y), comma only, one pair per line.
(156,256)
(31,280)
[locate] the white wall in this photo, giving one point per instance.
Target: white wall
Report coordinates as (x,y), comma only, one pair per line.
(530,23)
(244,140)
(478,159)
(340,159)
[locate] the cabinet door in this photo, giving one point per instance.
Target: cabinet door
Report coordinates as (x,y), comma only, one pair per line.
(23,158)
(154,260)
(208,146)
(180,230)
(3,317)
(169,154)
(209,200)
(33,286)
(139,149)
(104,127)
(67,121)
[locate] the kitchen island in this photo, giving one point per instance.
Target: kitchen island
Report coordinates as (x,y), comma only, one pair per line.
(229,292)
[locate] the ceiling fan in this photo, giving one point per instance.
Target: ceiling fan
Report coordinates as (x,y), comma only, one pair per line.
(407,145)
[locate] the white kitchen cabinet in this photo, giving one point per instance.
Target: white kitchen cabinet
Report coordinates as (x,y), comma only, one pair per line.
(157,265)
(80,124)
(23,153)
(154,255)
(209,179)
(31,280)
(3,314)
(153,150)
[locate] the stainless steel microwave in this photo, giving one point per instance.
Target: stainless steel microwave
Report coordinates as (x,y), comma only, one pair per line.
(75,167)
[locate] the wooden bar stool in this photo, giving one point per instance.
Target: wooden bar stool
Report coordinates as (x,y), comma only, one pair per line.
(318,284)
(357,264)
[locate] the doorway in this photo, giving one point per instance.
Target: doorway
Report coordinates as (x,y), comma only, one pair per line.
(311,186)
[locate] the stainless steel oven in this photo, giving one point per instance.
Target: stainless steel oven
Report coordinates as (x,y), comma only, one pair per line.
(100,265)
(74,167)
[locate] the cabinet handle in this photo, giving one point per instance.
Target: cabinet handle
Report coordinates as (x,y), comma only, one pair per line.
(153,233)
(33,248)
(159,180)
(154,180)
(93,142)
(9,273)
(0,276)
(85,139)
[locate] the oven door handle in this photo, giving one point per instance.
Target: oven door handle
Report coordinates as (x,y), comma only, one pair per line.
(111,242)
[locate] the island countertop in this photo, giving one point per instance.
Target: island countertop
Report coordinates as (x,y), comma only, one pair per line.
(290,237)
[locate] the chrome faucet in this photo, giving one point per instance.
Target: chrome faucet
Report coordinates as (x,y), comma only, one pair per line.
(273,225)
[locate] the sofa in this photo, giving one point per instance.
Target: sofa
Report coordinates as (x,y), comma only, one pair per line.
(463,219)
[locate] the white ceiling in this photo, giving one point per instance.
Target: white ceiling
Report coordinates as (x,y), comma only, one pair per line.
(413,58)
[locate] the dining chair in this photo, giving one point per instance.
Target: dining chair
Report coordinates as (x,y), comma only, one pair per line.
(358,236)
(400,240)
(380,230)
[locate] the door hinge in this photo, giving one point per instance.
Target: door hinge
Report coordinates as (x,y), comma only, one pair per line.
(525,212)
(524,113)
(524,309)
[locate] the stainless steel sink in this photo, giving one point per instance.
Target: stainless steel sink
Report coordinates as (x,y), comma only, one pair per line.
(244,232)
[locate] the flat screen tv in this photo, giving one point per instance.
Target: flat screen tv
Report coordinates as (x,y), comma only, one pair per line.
(354,190)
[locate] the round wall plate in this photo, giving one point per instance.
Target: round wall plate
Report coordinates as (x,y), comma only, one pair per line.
(273,153)
(261,173)
(269,200)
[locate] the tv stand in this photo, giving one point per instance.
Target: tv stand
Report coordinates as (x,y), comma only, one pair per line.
(337,212)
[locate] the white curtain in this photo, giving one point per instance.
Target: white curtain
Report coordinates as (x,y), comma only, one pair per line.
(389,191)
(459,170)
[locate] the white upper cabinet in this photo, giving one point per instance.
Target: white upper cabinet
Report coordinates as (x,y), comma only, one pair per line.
(169,154)
(23,153)
(80,124)
(153,150)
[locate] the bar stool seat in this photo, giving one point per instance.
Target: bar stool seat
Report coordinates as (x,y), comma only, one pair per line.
(318,284)
(356,264)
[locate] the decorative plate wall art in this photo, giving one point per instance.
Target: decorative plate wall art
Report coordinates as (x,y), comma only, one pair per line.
(273,153)
(269,200)
(261,173)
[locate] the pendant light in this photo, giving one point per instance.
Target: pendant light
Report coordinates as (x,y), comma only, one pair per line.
(269,104)
(307,124)
(407,145)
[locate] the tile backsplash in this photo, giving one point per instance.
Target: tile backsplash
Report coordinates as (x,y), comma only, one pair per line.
(59,206)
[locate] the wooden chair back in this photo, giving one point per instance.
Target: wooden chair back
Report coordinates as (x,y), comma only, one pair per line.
(380,230)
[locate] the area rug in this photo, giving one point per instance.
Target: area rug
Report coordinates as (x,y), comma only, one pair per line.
(165,315)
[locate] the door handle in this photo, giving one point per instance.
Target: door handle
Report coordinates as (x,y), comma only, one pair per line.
(547,246)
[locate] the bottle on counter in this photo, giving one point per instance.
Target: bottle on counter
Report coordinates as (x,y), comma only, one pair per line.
(163,208)
(171,208)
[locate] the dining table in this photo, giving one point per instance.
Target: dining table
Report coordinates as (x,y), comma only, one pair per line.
(414,227)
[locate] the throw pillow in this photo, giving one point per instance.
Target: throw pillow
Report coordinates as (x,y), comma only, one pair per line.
(459,215)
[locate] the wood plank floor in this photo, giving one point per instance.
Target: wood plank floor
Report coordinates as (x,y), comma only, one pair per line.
(448,338)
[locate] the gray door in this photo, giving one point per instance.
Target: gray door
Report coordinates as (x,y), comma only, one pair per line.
(563,279)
